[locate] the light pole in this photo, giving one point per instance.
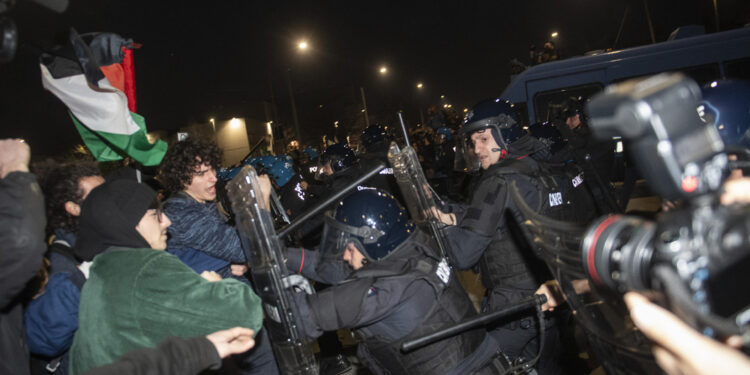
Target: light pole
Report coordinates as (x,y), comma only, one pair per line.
(364,105)
(420,86)
(294,105)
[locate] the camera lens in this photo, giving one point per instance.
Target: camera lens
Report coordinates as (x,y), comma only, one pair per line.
(617,251)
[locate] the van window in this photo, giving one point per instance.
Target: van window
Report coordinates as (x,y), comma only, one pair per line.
(702,74)
(548,104)
(738,69)
(523,111)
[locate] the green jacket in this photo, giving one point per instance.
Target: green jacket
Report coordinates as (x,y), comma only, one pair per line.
(138,297)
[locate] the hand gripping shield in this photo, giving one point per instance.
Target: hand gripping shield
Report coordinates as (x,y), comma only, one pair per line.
(615,341)
(275,285)
(421,200)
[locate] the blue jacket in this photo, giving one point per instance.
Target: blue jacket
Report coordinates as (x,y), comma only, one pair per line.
(52,318)
(200,237)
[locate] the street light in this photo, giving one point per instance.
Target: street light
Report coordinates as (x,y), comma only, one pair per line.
(301,47)
(234,123)
(554,34)
(383,70)
(419,85)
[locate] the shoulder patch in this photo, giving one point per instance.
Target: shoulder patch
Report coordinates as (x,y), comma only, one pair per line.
(577,180)
(443,271)
(555,199)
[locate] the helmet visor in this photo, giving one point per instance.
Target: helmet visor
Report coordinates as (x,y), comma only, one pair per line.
(465,159)
(337,235)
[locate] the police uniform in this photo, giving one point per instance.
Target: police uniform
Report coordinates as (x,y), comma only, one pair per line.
(486,234)
(509,270)
(404,296)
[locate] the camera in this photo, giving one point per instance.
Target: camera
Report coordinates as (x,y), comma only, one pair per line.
(696,259)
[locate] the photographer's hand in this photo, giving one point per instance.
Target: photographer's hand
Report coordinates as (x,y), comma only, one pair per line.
(678,348)
(736,190)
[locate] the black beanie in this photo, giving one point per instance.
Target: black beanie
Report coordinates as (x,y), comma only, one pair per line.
(109,216)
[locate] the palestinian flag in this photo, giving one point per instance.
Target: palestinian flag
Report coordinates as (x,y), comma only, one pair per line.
(94,78)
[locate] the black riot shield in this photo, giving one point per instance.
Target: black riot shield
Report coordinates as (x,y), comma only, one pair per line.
(613,338)
(273,283)
(421,200)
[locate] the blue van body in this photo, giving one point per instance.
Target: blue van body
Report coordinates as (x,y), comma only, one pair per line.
(539,90)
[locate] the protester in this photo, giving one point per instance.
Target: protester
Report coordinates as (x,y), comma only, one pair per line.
(51,318)
(199,234)
(138,295)
(180,356)
(22,221)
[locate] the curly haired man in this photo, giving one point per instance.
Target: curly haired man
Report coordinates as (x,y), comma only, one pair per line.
(199,235)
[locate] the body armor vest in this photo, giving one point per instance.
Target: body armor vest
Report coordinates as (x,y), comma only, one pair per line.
(504,264)
(451,306)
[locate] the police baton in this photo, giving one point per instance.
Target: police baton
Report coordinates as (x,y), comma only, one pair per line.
(480,320)
(333,198)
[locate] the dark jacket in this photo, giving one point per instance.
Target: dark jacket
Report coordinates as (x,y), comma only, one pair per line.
(22,221)
(483,232)
(582,143)
(399,298)
(174,355)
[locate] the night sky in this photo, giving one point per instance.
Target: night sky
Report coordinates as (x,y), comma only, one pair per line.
(223,58)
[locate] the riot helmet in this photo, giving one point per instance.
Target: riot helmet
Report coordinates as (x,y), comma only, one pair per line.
(374,134)
(372,220)
(549,134)
(339,155)
(445,133)
(571,107)
(311,152)
(257,162)
(280,168)
(500,118)
(726,106)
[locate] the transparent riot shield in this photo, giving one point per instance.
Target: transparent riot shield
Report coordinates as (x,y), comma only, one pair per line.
(612,336)
(273,283)
(421,200)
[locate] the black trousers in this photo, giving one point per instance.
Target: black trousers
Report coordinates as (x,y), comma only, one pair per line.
(521,339)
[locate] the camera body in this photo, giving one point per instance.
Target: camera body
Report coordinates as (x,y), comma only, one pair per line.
(696,258)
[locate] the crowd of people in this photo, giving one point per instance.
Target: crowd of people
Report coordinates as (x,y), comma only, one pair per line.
(102,275)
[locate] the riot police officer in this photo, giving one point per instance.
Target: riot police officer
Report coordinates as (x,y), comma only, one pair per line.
(398,289)
(595,158)
(376,141)
(481,233)
(337,166)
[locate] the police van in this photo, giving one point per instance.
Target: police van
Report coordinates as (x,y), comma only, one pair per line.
(539,91)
